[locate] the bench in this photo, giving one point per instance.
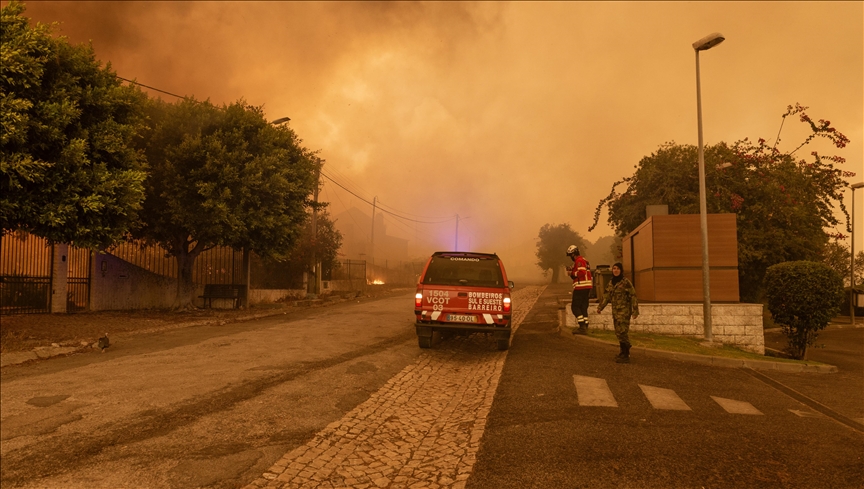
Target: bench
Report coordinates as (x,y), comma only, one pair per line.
(223,291)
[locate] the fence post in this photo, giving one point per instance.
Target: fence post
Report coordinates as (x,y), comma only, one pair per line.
(247,271)
(59,278)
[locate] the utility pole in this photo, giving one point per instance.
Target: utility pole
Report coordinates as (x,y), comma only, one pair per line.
(316,266)
(852,295)
(456,241)
(372,246)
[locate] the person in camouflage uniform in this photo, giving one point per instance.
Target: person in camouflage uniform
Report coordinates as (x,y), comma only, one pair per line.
(622,295)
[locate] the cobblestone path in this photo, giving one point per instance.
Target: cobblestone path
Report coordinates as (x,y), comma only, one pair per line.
(422,429)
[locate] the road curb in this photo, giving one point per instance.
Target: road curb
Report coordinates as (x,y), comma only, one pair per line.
(710,360)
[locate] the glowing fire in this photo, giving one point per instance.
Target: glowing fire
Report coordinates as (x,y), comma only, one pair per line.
(377,282)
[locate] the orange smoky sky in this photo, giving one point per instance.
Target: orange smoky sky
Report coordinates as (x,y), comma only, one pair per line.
(511,115)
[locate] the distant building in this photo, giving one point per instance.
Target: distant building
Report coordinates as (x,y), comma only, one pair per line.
(356,228)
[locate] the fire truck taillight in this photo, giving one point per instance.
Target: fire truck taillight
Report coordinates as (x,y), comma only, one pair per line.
(506,304)
(418,300)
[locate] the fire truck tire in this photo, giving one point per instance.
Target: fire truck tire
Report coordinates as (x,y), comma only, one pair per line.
(503,344)
(424,341)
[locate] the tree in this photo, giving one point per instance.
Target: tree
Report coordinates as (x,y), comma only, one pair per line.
(222,176)
(601,251)
(837,257)
(552,248)
(69,168)
(325,245)
(803,297)
(783,204)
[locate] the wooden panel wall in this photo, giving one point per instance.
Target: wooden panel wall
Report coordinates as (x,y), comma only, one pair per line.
(644,248)
(667,250)
(645,285)
(625,259)
(686,286)
(678,240)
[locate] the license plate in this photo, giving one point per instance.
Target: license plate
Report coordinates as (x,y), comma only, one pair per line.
(461,318)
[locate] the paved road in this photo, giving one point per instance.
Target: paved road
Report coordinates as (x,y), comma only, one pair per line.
(197,407)
(422,429)
(565,415)
(840,345)
(306,403)
(342,397)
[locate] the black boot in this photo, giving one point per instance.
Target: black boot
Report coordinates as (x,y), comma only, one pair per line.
(624,356)
(583,329)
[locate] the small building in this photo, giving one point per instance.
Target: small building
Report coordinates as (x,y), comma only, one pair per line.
(663,258)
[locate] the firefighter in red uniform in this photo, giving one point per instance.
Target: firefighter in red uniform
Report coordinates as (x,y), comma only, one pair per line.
(580,272)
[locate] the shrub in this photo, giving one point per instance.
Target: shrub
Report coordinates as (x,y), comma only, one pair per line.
(802,296)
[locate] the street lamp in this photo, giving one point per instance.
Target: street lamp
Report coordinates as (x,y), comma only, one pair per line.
(247,252)
(704,44)
(315,263)
(852,260)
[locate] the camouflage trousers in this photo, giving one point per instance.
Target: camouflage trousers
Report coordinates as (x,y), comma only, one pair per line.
(622,329)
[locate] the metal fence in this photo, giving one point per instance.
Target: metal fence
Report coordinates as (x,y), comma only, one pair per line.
(25,274)
(272,274)
(397,273)
(26,263)
(78,279)
(218,265)
(349,270)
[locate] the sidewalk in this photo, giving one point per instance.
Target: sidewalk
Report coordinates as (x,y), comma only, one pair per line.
(32,337)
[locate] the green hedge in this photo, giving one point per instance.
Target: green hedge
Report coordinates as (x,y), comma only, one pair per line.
(803,297)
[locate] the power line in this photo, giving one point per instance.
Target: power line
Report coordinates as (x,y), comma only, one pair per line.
(394,214)
(428,238)
(358,189)
(156,89)
(385,210)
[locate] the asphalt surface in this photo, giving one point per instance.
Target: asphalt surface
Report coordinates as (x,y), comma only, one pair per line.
(842,346)
(267,402)
(540,435)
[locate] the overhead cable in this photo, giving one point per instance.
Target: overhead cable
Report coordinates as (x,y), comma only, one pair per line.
(385,210)
(156,89)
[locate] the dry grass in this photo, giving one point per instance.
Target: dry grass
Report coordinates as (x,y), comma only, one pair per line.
(686,345)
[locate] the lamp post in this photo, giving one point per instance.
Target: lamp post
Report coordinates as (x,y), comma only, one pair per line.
(704,44)
(852,260)
(247,251)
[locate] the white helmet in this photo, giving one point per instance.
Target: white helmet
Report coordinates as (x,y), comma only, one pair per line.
(572,250)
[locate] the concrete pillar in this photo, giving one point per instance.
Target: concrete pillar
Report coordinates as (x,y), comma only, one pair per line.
(59,278)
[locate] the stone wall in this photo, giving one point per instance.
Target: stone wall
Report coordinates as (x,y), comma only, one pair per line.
(336,286)
(262,296)
(739,325)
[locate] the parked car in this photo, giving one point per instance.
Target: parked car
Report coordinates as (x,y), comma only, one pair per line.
(463,292)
